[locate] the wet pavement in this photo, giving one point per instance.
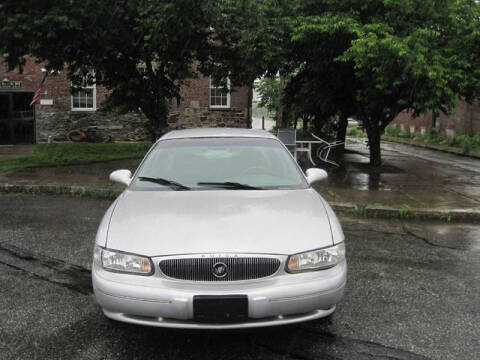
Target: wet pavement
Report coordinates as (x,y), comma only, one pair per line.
(413,176)
(417,177)
(412,293)
(94,175)
(11,151)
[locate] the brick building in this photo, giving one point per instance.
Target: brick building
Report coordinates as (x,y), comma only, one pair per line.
(465,120)
(60,111)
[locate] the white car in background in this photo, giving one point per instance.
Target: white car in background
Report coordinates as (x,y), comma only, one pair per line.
(219,228)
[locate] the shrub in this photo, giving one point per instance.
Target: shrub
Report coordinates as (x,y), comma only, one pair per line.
(476,140)
(354,132)
(392,131)
(467,147)
(459,140)
(464,142)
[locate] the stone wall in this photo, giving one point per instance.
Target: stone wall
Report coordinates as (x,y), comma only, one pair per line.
(124,127)
(131,126)
(192,117)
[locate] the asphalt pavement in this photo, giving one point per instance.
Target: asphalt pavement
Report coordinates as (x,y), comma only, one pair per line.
(412,293)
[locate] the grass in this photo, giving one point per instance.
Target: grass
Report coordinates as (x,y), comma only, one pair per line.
(331,194)
(75,153)
(360,210)
(404,212)
(447,216)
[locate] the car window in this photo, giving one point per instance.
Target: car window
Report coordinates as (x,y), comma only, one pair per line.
(256,162)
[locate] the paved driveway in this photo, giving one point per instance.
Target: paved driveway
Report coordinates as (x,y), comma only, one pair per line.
(412,293)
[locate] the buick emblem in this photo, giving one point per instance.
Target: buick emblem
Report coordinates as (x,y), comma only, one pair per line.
(219,270)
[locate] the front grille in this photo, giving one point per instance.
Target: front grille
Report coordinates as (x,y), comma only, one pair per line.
(202,269)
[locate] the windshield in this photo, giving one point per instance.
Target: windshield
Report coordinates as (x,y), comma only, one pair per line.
(218,163)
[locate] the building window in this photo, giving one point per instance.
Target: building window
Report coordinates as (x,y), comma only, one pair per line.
(84,98)
(219,95)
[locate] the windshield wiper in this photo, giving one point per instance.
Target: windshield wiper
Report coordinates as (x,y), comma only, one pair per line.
(230,185)
(170,183)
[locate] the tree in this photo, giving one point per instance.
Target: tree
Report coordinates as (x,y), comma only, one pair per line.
(321,92)
(268,89)
(141,50)
(392,55)
(254,37)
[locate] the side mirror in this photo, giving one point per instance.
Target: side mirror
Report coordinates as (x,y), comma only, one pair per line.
(121,176)
(315,175)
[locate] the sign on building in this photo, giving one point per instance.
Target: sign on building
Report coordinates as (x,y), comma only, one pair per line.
(10,84)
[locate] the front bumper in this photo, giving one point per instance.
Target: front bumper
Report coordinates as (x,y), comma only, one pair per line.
(277,300)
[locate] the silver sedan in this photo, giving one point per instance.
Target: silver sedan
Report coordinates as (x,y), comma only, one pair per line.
(219,228)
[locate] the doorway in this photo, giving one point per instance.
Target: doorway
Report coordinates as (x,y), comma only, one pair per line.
(17,119)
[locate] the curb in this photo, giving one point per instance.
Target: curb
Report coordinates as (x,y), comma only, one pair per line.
(79,191)
(426,146)
(407,213)
(402,212)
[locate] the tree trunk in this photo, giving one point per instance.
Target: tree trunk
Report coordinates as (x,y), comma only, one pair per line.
(157,125)
(305,123)
(373,133)
(342,133)
(157,116)
(281,108)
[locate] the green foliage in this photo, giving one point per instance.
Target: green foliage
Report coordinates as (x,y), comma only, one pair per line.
(354,132)
(360,210)
(258,111)
(465,142)
(370,58)
(386,56)
(75,153)
(331,194)
(268,89)
(141,50)
(447,216)
(396,132)
(404,212)
(392,131)
(476,140)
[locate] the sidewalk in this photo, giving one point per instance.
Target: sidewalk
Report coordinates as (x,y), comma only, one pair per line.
(415,177)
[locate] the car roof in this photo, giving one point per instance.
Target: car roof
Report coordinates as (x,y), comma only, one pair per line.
(217,132)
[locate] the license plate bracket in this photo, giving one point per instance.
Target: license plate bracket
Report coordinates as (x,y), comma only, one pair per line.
(220,308)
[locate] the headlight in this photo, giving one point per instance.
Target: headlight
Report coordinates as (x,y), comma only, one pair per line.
(117,261)
(316,259)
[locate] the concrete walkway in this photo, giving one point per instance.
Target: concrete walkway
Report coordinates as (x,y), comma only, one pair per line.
(412,176)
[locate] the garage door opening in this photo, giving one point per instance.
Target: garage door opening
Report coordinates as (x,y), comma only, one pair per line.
(17,118)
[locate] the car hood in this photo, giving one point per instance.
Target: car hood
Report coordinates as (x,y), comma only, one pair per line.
(155,223)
